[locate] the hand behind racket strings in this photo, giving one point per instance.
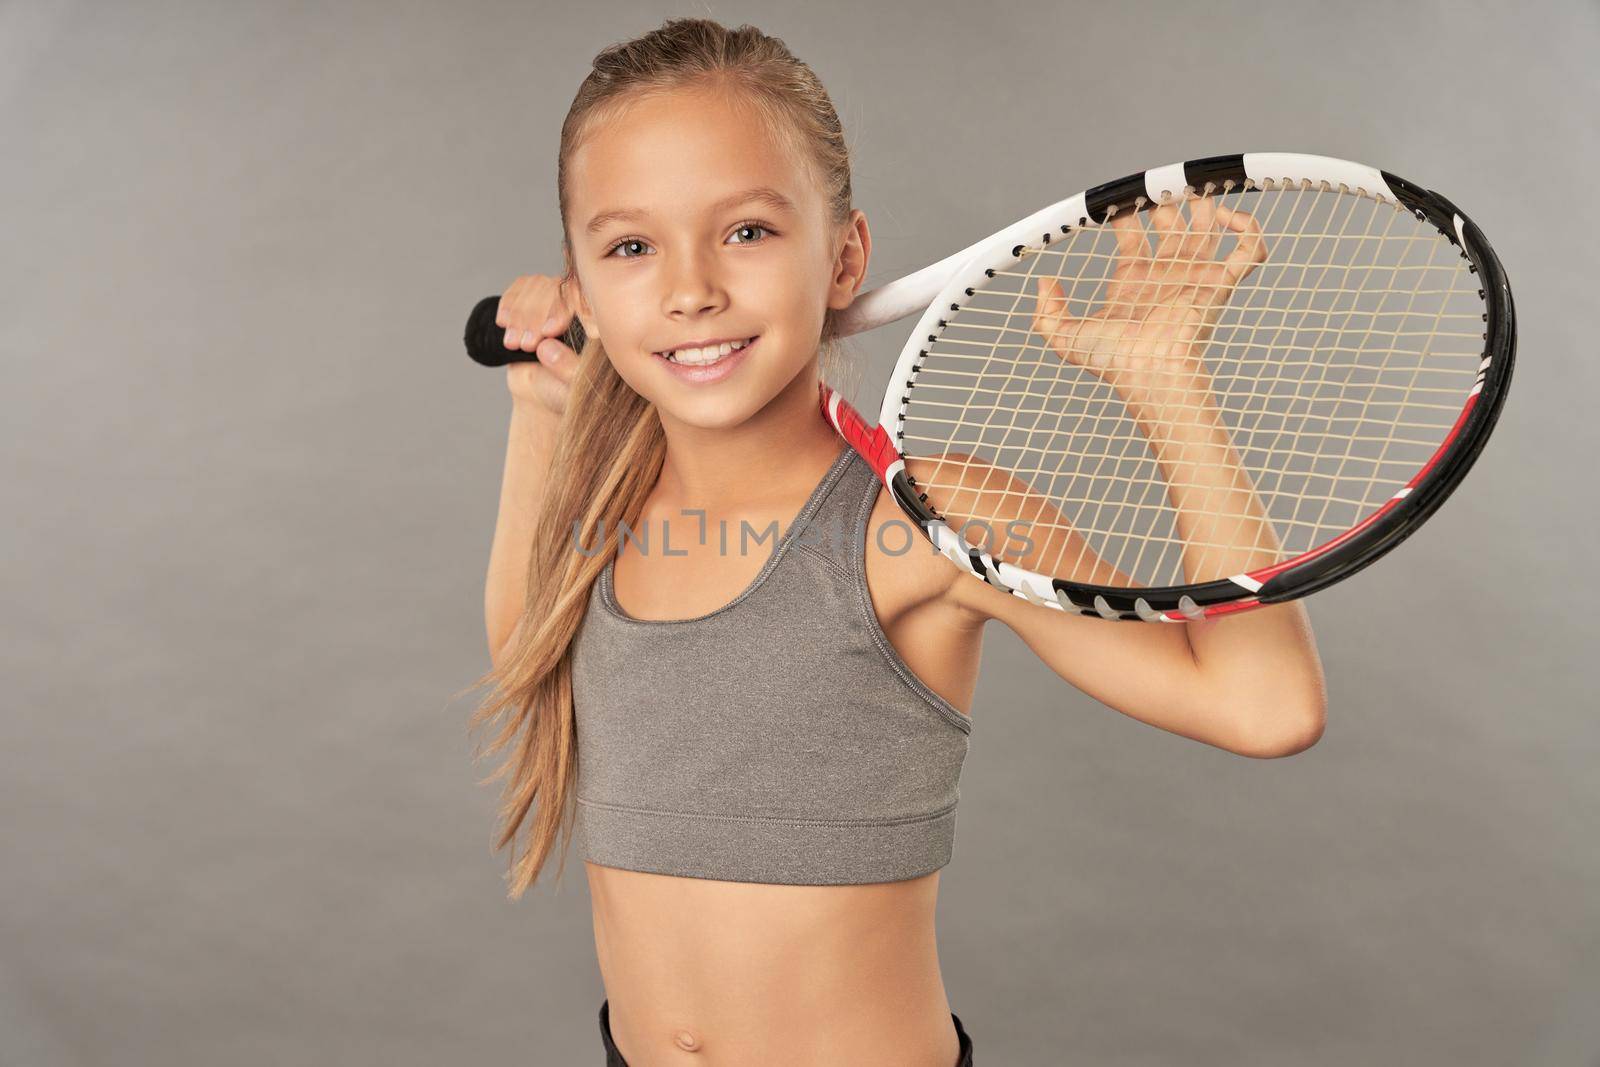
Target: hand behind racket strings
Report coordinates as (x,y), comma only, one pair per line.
(1146,342)
(1149,334)
(1195,390)
(1191,391)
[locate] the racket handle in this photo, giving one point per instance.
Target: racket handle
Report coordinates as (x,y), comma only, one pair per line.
(486,339)
(871,441)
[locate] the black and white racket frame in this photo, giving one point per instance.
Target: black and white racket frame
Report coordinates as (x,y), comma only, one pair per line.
(941,287)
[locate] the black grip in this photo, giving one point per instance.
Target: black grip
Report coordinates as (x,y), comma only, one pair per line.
(486,339)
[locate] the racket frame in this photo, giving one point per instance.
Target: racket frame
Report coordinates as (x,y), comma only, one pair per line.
(940,287)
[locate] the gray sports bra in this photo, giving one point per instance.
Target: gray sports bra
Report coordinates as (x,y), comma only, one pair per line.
(780,738)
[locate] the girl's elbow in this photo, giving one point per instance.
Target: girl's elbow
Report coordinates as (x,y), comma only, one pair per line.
(1283,733)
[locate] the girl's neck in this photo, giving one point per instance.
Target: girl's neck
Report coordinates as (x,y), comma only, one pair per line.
(782,447)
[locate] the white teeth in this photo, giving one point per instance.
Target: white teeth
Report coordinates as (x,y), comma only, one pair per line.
(702,356)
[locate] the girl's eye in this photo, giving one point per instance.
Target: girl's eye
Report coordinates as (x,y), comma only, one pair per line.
(743,226)
(631,242)
(626,242)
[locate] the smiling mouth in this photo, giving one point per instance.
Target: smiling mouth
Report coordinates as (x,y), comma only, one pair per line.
(706,357)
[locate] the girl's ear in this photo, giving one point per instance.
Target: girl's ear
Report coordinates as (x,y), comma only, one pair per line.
(850,263)
(572,293)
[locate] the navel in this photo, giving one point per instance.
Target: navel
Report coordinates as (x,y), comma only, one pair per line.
(687,1041)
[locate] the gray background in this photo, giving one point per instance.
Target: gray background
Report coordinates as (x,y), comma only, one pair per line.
(251,480)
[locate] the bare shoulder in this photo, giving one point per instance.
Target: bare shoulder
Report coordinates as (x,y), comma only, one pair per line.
(987,506)
(906,574)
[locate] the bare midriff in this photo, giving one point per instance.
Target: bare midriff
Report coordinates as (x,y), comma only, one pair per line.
(728,974)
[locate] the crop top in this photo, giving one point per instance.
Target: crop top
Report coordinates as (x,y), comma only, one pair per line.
(780,738)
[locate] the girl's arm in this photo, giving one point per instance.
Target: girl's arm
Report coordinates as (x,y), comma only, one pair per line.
(1251,683)
(530,443)
(533,313)
(1261,664)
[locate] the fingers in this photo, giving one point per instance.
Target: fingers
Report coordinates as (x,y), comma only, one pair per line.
(547,379)
(553,356)
(1200,245)
(531,309)
(1131,240)
(1166,222)
(511,301)
(1050,304)
(1251,250)
(558,358)
(1195,240)
(1051,320)
(557,317)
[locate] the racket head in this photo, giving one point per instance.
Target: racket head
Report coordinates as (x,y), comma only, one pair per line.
(1337,219)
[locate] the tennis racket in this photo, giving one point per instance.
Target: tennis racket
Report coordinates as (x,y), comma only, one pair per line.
(1189,392)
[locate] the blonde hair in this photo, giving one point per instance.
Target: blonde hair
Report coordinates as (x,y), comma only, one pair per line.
(611,443)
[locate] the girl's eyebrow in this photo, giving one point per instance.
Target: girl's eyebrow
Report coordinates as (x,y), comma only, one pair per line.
(761,194)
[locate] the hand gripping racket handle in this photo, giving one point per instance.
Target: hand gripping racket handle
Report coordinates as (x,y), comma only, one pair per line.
(486,339)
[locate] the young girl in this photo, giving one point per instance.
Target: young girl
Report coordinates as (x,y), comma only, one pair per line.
(708,651)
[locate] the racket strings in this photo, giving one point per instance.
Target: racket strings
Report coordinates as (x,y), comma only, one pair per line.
(1121,515)
(1335,368)
(1095,506)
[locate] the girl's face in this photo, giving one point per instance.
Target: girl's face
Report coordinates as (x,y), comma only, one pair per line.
(689,222)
